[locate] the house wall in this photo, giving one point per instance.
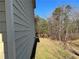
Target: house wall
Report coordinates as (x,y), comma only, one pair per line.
(2,17)
(17,26)
(24,28)
(3,24)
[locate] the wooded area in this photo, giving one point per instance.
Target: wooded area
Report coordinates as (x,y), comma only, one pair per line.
(64,23)
(62,26)
(41,26)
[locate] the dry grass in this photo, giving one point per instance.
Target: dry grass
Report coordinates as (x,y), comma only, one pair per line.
(51,49)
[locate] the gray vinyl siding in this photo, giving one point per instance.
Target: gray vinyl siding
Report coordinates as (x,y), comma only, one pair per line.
(3,25)
(2,16)
(24,28)
(17,26)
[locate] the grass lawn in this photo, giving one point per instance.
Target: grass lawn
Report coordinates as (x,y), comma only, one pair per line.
(51,49)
